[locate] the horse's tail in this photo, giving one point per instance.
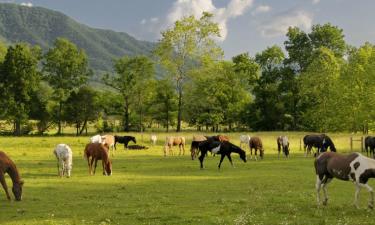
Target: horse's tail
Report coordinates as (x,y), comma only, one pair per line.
(86,152)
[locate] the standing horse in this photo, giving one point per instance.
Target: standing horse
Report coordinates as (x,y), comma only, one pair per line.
(110,141)
(153,139)
(8,166)
(370,144)
(283,144)
(98,151)
(354,167)
(64,157)
(244,140)
(194,149)
(320,141)
(256,144)
(124,140)
(173,141)
(224,148)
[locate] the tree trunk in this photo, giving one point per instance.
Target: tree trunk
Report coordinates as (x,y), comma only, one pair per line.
(17,127)
(59,118)
(179,115)
(126,122)
(84,127)
(167,111)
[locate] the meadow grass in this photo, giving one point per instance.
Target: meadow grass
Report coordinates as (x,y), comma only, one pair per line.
(147,188)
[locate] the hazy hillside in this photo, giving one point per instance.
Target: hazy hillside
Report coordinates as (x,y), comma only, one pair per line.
(42,26)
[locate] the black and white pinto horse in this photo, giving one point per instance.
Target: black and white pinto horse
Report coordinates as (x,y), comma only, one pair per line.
(283,144)
(124,140)
(370,145)
(320,141)
(354,167)
(224,148)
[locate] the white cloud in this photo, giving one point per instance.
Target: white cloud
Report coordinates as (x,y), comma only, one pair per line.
(315,2)
(143,21)
(182,8)
(28,4)
(279,24)
(261,9)
(154,20)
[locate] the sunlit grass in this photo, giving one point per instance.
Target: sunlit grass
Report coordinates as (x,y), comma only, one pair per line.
(147,188)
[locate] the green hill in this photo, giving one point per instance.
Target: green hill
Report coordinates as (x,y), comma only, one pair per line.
(41,26)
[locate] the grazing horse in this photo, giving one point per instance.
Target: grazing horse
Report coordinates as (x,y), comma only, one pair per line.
(110,141)
(224,148)
(173,141)
(320,141)
(64,156)
(98,151)
(8,166)
(283,144)
(354,167)
(153,139)
(219,137)
(370,144)
(244,140)
(124,140)
(194,150)
(96,139)
(256,144)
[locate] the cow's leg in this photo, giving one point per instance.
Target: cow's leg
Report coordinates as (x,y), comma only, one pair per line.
(221,159)
(4,184)
(317,187)
(325,183)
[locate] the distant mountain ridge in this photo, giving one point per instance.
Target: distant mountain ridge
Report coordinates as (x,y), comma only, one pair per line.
(41,26)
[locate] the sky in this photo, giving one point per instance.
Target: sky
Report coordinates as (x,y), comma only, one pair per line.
(246,25)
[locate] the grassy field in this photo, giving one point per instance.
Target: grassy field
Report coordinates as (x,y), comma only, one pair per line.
(147,188)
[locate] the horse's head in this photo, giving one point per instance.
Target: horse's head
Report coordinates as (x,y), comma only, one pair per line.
(261,153)
(243,155)
(108,168)
(133,139)
(17,190)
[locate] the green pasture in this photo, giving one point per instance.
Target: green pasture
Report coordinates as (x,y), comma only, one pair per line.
(147,188)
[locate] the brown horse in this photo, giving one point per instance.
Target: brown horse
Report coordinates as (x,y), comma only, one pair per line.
(256,144)
(173,141)
(8,166)
(98,151)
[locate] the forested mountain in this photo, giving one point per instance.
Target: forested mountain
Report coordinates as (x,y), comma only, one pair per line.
(40,26)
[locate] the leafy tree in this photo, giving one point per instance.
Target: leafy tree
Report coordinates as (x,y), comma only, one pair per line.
(82,107)
(66,70)
(3,51)
(185,48)
(131,78)
(19,78)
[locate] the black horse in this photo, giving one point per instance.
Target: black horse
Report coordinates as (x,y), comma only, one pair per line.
(321,141)
(370,144)
(124,140)
(224,148)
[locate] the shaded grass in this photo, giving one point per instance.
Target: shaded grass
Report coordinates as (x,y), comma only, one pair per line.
(147,188)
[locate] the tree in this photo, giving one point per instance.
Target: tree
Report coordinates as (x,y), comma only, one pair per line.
(18,80)
(185,48)
(82,107)
(3,51)
(66,70)
(131,78)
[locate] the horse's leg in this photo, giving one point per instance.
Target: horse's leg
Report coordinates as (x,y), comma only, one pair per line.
(256,150)
(371,199)
(183,149)
(317,187)
(251,153)
(327,180)
(230,159)
(221,159)
(357,190)
(4,184)
(90,165)
(58,168)
(96,162)
(201,158)
(103,165)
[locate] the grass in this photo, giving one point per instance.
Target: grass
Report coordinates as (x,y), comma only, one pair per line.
(147,188)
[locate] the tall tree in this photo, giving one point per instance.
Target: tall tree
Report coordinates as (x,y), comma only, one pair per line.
(186,47)
(18,80)
(132,75)
(66,70)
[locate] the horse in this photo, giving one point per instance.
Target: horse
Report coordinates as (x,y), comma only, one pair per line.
(219,137)
(283,144)
(353,167)
(110,141)
(8,166)
(96,139)
(224,148)
(256,144)
(370,144)
(173,141)
(320,141)
(124,140)
(194,150)
(153,139)
(64,156)
(98,151)
(244,140)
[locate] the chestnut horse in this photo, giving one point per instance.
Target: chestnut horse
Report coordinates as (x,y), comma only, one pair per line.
(173,141)
(8,166)
(256,144)
(98,151)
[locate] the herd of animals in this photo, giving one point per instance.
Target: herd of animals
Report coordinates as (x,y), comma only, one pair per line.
(328,165)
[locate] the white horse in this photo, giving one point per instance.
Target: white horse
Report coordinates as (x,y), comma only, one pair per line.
(64,157)
(244,139)
(96,139)
(153,139)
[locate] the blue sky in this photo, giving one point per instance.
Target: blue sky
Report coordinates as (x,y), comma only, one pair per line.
(247,25)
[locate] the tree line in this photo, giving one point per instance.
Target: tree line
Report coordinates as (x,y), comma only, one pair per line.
(317,83)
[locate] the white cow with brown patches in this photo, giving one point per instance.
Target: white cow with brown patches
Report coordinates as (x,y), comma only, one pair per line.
(354,167)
